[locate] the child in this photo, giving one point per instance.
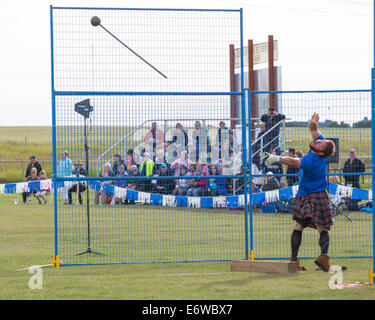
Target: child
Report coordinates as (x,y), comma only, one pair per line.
(43,192)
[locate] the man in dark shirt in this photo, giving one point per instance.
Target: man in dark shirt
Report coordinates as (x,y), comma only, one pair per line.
(256,150)
(271,118)
(164,186)
(33,164)
(353,165)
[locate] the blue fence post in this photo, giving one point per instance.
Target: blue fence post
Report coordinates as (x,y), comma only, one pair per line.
(250,181)
(53,96)
(244,153)
(371,272)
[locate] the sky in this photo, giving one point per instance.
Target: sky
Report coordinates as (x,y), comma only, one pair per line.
(323,44)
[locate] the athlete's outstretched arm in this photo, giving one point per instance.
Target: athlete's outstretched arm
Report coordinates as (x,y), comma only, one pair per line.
(289,161)
(313,126)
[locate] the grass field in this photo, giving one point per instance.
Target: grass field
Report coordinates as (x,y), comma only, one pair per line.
(27,239)
(147,233)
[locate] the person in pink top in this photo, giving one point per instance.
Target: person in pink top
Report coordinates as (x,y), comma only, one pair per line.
(45,191)
(183,160)
(198,188)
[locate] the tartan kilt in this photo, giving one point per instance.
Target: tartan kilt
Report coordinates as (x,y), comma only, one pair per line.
(313,210)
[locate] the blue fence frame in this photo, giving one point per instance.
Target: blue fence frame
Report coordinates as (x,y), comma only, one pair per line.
(245,95)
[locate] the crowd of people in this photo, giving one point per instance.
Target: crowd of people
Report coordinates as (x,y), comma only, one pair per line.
(153,171)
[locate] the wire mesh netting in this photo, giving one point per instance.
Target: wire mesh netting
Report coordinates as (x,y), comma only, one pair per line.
(344,118)
(153,160)
(141,137)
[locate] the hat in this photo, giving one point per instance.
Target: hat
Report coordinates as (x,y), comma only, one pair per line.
(32,157)
(269,173)
(163,165)
(352,150)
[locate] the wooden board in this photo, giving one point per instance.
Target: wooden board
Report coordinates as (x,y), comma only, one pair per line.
(264,266)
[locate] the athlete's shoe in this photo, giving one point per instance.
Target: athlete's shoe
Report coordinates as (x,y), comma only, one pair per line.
(323,263)
(299,268)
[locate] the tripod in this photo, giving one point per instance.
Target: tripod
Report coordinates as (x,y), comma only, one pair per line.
(84,109)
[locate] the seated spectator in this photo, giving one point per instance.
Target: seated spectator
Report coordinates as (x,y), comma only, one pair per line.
(292,169)
(271,182)
(183,161)
(164,186)
(117,161)
(101,194)
(182,185)
(43,192)
(215,186)
(133,184)
(79,171)
(198,186)
(120,183)
(33,177)
(33,164)
(257,180)
(146,169)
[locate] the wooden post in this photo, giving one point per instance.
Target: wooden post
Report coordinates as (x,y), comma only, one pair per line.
(271,74)
(233,111)
(254,112)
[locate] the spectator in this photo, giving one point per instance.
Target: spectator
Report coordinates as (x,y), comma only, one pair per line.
(146,169)
(64,169)
(353,165)
(120,183)
(164,186)
(258,181)
(258,145)
(78,172)
(176,133)
(129,159)
(43,192)
(200,133)
(198,186)
(182,185)
(33,164)
(183,161)
(134,184)
(222,136)
(292,169)
(117,161)
(101,194)
(154,138)
(33,177)
(215,186)
(271,182)
(271,139)
(141,156)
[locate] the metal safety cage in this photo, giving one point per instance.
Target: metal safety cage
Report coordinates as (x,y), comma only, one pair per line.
(117,75)
(344,118)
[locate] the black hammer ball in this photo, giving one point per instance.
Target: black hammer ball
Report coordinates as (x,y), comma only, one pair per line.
(95,21)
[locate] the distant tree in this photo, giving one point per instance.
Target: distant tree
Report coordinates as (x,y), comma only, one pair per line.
(365,123)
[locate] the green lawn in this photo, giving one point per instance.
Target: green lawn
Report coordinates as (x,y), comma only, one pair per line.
(27,238)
